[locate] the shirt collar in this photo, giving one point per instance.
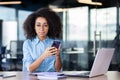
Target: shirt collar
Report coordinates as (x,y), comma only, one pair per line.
(37,40)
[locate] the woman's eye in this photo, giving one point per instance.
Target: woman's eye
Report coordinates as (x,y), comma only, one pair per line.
(46,25)
(37,25)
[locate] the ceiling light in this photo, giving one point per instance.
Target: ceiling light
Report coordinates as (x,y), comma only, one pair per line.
(10,2)
(89,2)
(59,9)
(56,9)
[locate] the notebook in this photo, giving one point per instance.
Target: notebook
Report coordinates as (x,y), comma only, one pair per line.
(49,75)
(100,65)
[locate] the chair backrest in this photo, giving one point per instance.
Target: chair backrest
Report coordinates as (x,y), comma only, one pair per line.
(16,47)
(3,52)
(3,49)
(13,48)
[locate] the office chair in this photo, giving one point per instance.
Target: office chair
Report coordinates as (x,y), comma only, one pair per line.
(2,56)
(17,55)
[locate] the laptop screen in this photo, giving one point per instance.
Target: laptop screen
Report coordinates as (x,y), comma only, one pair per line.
(102,61)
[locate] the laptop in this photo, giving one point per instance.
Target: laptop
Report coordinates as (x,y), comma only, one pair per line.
(100,65)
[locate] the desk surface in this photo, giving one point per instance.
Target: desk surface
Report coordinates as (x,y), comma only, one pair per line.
(110,75)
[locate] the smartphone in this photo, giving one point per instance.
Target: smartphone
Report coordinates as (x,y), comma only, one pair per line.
(56,44)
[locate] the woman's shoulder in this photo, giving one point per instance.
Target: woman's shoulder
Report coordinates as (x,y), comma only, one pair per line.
(27,42)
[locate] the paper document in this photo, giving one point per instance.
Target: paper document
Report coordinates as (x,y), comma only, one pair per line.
(49,75)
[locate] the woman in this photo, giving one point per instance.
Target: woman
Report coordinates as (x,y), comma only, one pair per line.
(41,29)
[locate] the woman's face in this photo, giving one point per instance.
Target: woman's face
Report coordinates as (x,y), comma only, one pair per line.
(41,27)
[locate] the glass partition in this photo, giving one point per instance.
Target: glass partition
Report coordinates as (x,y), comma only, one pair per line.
(9,25)
(75,38)
(86,31)
(22,15)
(7,14)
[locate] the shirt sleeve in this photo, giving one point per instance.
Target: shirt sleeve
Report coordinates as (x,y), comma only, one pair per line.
(27,59)
(51,65)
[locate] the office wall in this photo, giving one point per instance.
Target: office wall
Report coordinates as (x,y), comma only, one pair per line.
(9,32)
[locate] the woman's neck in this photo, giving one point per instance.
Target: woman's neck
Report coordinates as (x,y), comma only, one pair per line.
(42,38)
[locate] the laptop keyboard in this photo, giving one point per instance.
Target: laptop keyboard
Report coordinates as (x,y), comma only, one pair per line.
(86,73)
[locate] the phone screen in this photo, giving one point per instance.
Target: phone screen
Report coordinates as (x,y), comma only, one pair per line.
(56,44)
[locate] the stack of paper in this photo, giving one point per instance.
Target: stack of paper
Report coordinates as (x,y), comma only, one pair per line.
(49,75)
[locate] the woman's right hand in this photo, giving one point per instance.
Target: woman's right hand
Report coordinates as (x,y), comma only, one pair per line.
(49,51)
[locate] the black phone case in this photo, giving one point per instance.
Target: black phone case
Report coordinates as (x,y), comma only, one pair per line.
(56,44)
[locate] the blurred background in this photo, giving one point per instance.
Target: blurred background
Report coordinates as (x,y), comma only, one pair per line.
(87,26)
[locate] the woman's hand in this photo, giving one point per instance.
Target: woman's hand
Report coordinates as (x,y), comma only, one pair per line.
(49,51)
(57,53)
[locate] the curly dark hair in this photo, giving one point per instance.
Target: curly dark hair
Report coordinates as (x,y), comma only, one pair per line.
(54,22)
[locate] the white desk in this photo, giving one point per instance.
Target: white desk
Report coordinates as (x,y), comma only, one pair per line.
(111,75)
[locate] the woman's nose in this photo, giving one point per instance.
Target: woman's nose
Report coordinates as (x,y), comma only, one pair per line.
(41,28)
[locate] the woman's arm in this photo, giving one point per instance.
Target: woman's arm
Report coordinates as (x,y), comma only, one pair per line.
(36,63)
(48,52)
(58,62)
